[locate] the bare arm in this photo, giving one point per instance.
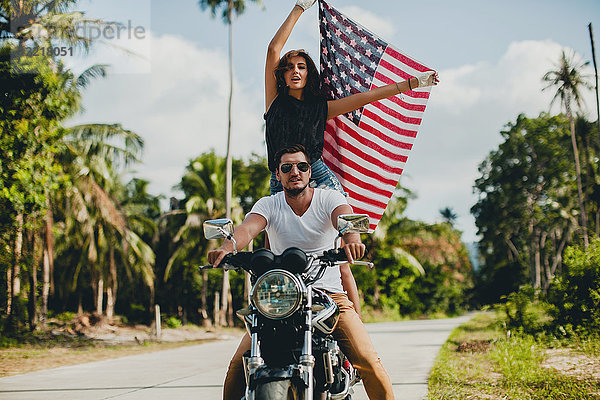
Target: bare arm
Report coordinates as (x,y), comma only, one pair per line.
(356,101)
(354,249)
(349,285)
(248,230)
(274,53)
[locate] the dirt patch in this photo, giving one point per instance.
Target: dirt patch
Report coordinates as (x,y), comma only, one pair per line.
(569,363)
(96,328)
(474,346)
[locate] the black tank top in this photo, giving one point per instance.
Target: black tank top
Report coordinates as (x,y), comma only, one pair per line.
(291,121)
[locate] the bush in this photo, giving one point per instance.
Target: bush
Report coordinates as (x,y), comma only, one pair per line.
(575,294)
(6,342)
(66,316)
(173,322)
(524,312)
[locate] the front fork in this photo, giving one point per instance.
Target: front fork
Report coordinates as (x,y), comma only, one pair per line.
(307,360)
(255,361)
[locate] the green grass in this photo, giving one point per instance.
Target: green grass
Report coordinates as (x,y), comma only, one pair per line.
(501,366)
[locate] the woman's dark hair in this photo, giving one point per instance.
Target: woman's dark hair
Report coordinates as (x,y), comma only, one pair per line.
(313,83)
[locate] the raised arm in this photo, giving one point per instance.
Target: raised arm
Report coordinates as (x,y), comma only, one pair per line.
(275,47)
(355,101)
(248,230)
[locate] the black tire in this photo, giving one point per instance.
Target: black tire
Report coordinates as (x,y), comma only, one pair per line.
(277,390)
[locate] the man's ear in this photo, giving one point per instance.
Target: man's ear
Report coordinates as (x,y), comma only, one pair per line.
(277,175)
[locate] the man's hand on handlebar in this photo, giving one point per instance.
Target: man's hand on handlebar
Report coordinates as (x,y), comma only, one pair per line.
(215,256)
(354,251)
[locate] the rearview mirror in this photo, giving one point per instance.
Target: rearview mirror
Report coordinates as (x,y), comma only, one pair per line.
(353,223)
(218,228)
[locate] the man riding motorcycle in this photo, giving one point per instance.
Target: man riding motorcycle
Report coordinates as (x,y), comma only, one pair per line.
(305,217)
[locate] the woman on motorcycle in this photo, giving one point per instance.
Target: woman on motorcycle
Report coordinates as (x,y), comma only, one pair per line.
(295,109)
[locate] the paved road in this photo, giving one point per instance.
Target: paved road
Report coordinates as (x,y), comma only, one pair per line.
(407,349)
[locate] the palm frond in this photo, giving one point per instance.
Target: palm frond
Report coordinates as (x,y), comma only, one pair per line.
(94,72)
(99,139)
(412,261)
(144,257)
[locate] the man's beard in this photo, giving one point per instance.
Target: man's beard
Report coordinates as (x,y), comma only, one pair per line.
(294,192)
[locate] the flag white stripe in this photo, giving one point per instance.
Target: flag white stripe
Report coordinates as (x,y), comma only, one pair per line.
(401,109)
(398,64)
(366,179)
(360,160)
(387,132)
(365,148)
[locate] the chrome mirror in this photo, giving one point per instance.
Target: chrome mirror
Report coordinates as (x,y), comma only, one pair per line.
(218,228)
(353,223)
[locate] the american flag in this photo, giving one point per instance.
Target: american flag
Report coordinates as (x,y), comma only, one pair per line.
(367,148)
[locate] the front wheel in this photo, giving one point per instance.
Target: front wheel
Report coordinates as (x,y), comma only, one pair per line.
(277,390)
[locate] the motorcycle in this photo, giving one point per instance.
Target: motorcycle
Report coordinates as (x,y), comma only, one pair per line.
(293,354)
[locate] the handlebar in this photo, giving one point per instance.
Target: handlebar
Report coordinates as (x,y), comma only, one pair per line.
(339,255)
(241,260)
(226,264)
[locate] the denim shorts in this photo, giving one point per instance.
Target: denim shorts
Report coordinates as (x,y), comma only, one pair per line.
(321,177)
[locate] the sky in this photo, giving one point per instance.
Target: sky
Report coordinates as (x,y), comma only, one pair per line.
(171,86)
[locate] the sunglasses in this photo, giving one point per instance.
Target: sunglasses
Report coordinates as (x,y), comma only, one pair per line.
(287,167)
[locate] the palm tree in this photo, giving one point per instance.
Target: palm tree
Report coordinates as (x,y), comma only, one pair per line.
(93,152)
(449,215)
(568,81)
(43,21)
(204,186)
(38,24)
(228,7)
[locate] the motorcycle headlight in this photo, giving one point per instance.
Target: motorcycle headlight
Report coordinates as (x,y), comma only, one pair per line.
(277,294)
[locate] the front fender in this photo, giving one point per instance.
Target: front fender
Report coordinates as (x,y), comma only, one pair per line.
(294,373)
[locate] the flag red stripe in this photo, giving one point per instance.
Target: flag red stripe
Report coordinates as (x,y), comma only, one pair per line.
(345,161)
(371,214)
(407,106)
(372,145)
(393,69)
(396,129)
(405,60)
(357,196)
(368,128)
(393,114)
(372,161)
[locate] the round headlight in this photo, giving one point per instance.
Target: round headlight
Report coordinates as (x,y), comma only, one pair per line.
(277,294)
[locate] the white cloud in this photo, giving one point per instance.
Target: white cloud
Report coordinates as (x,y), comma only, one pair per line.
(180,109)
(384,27)
(462,123)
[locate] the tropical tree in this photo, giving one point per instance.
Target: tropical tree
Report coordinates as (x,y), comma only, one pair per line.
(46,94)
(386,286)
(93,215)
(447,283)
(526,210)
(568,81)
(203,185)
(40,22)
(448,215)
(35,102)
(228,8)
